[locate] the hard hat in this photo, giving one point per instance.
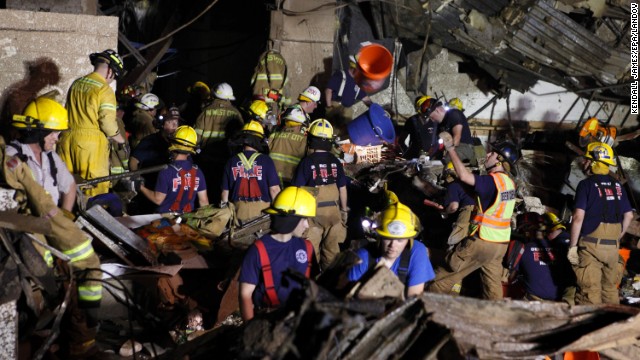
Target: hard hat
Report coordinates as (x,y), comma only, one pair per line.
(148,102)
(529,221)
(552,222)
(111,58)
(392,198)
(42,113)
(293,200)
(456,103)
(507,150)
(397,222)
(258,109)
(199,88)
(321,128)
(428,105)
(309,94)
(419,100)
(224,91)
(295,114)
(254,128)
(600,152)
(184,140)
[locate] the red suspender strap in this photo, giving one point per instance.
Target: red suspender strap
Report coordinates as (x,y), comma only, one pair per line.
(307,273)
(176,204)
(267,274)
(192,187)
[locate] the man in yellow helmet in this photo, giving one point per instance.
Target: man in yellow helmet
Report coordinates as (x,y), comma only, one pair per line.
(601,216)
(178,185)
(250,180)
(421,131)
(485,248)
(556,233)
(47,116)
(263,266)
(288,144)
(397,250)
(91,104)
(322,170)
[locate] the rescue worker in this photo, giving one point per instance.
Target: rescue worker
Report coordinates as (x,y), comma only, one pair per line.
(288,145)
(91,104)
(220,120)
(260,112)
(118,155)
(555,232)
(250,180)
(342,93)
(269,79)
(459,199)
(80,333)
(422,133)
(601,216)
(261,285)
(178,185)
(142,122)
(455,123)
(199,98)
(39,128)
(486,246)
(397,250)
(308,101)
(456,103)
(322,170)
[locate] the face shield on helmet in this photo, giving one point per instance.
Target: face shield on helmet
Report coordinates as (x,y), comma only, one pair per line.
(42,113)
(294,201)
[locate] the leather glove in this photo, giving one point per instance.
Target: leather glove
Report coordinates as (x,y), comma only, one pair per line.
(572,255)
(447,140)
(136,183)
(344,216)
(124,147)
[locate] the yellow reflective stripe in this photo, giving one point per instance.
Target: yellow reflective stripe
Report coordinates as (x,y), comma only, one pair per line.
(89,293)
(91,82)
(80,252)
(211,134)
(272,77)
(285,158)
(107,106)
(48,258)
(117,170)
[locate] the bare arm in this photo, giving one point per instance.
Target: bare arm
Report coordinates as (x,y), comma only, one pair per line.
(246,301)
(576,226)
(626,220)
(456,132)
(343,198)
(273,191)
(69,198)
(203,198)
(224,196)
(134,164)
(118,138)
(153,196)
(452,207)
(328,93)
(415,290)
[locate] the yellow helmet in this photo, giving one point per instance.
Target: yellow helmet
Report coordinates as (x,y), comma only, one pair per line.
(397,222)
(392,198)
(321,128)
(600,152)
(42,113)
(552,222)
(258,110)
(254,128)
(200,88)
(293,200)
(456,104)
(184,140)
(420,100)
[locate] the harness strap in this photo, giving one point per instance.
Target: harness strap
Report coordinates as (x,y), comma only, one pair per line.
(52,164)
(267,274)
(403,268)
(309,245)
(183,182)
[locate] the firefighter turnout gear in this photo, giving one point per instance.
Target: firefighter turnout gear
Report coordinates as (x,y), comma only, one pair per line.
(270,76)
(42,113)
(91,104)
(288,146)
(217,122)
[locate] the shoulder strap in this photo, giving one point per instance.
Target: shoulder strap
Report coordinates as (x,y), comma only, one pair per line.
(53,168)
(403,268)
(342,84)
(20,154)
(248,163)
(309,246)
(267,275)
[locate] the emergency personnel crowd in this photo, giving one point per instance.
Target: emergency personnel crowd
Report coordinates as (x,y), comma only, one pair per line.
(287,167)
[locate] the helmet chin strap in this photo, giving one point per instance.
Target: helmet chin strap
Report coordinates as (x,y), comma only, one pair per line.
(492,166)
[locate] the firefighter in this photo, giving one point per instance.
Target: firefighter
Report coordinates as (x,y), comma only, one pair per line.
(250,180)
(459,199)
(220,120)
(118,155)
(322,170)
(91,104)
(261,285)
(288,145)
(178,185)
(556,233)
(269,78)
(199,98)
(456,103)
(397,250)
(601,216)
(487,243)
(342,93)
(308,101)
(259,111)
(65,235)
(142,123)
(454,122)
(422,133)
(39,128)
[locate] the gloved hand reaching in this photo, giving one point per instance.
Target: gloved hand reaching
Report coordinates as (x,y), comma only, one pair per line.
(572,255)
(447,140)
(135,183)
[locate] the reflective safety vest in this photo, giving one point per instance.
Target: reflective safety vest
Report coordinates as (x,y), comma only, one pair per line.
(183,182)
(494,224)
(271,297)
(286,148)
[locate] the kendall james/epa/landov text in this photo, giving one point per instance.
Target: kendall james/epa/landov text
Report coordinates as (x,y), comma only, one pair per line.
(634,57)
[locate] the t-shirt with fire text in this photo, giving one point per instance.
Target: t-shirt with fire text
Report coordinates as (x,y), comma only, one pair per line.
(170,182)
(320,168)
(249,182)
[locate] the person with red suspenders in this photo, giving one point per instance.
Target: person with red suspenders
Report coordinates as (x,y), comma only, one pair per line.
(261,285)
(180,183)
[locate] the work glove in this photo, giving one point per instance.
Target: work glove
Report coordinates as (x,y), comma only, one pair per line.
(135,183)
(344,216)
(447,140)
(223,204)
(572,255)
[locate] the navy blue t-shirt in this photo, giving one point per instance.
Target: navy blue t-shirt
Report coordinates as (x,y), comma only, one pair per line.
(603,199)
(351,92)
(319,168)
(152,150)
(170,182)
(282,256)
(486,190)
(455,117)
(252,184)
(460,193)
(536,270)
(424,136)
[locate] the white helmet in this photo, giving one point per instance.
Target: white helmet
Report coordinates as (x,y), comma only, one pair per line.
(294,113)
(148,102)
(224,91)
(311,93)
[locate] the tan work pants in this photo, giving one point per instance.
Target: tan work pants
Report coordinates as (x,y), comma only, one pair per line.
(326,230)
(597,272)
(249,210)
(461,226)
(466,257)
